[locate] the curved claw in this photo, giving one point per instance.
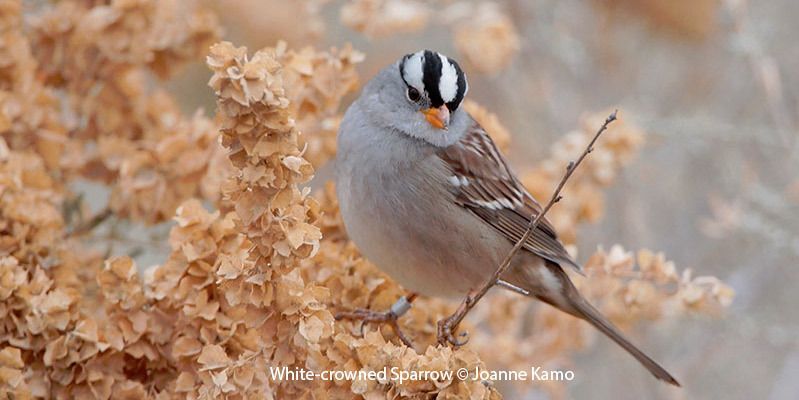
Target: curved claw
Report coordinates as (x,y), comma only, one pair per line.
(361,328)
(445,335)
(458,343)
(465,336)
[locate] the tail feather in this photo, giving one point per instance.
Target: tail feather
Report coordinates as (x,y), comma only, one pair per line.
(566,298)
(592,315)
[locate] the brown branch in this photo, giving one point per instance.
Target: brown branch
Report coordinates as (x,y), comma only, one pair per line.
(448,325)
(93,222)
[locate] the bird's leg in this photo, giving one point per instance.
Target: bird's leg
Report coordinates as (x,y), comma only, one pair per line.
(390,317)
(448,325)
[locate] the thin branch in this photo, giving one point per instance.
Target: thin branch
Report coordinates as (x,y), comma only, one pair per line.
(448,325)
(92,223)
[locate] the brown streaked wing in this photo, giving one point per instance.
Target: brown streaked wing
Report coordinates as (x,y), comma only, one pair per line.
(484,184)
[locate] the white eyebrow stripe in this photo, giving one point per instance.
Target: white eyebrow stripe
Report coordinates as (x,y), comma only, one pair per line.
(448,84)
(413,71)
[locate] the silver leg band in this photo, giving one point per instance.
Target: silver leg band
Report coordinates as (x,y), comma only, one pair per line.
(400,307)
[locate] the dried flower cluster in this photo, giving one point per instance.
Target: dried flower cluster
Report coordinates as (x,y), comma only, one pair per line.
(100,60)
(646,286)
(689,18)
(267,21)
(29,115)
(62,335)
(258,265)
(487,40)
(482,32)
(316,82)
(375,18)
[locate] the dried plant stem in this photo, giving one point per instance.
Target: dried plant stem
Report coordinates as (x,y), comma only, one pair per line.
(448,325)
(93,222)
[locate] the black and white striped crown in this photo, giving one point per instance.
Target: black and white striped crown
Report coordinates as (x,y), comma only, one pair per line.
(433,73)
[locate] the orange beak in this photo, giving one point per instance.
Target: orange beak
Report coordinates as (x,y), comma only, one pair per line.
(437,117)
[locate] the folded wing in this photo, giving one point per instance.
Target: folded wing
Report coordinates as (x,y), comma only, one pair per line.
(484,184)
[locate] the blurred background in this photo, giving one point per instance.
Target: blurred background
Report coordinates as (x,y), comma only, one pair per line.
(713,85)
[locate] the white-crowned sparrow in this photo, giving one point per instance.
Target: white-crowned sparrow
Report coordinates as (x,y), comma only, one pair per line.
(428,198)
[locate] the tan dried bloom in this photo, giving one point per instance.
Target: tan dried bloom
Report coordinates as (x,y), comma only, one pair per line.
(694,19)
(377,18)
(647,286)
(76,42)
(263,143)
(487,39)
(154,178)
(271,211)
(11,369)
(268,21)
(29,215)
(103,57)
(40,284)
(316,83)
(29,115)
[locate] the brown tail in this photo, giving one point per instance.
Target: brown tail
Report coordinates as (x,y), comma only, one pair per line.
(592,315)
(568,299)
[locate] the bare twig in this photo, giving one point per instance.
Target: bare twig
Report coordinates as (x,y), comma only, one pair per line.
(92,223)
(448,325)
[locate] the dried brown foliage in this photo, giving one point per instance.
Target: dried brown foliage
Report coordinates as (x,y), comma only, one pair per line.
(375,18)
(694,19)
(482,31)
(99,61)
(258,265)
(485,37)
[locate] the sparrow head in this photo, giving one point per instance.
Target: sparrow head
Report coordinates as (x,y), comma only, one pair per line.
(419,96)
(435,84)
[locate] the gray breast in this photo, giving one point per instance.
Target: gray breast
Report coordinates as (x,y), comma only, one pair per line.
(398,209)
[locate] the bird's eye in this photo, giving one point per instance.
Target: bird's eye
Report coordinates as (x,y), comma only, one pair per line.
(413,95)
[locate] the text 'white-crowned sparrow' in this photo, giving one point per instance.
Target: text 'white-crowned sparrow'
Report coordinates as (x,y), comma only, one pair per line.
(428,198)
